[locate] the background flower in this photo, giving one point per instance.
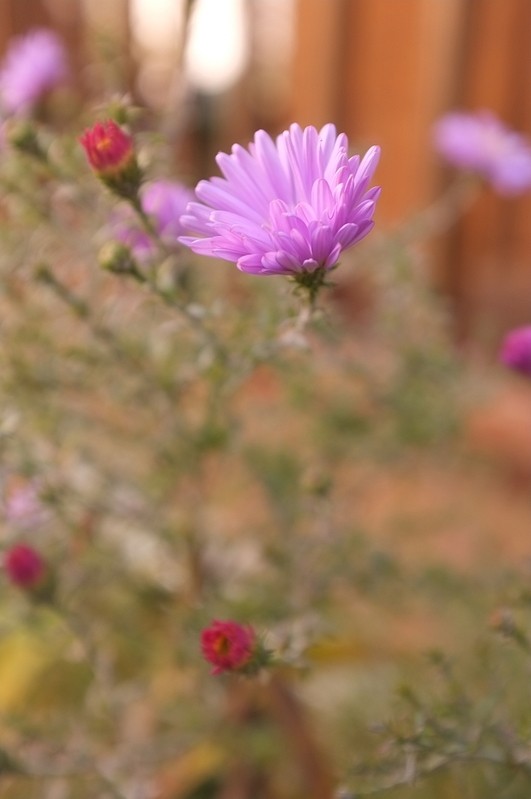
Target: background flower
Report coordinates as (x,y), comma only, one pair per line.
(227,645)
(164,201)
(516,350)
(286,207)
(22,505)
(34,64)
(482,143)
(24,566)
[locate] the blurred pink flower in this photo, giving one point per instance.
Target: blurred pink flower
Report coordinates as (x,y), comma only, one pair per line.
(164,201)
(24,566)
(515,351)
(22,505)
(34,64)
(285,207)
(227,645)
(481,143)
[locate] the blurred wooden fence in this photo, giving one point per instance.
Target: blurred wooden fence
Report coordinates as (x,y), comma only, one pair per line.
(383,70)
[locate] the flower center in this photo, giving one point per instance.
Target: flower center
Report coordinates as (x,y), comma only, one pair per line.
(104,144)
(222,645)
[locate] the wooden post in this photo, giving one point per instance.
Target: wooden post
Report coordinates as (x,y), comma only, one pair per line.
(316,83)
(488,268)
(396,65)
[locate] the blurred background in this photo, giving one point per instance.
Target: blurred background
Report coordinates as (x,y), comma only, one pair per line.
(382,70)
(427,530)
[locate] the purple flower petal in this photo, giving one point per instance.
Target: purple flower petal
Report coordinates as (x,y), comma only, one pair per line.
(286,206)
(164,201)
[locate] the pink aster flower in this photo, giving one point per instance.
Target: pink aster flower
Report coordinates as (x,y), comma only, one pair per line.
(34,64)
(516,350)
(285,207)
(481,143)
(24,566)
(164,201)
(227,645)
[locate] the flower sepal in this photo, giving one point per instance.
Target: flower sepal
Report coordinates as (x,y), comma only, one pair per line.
(310,283)
(262,658)
(125,183)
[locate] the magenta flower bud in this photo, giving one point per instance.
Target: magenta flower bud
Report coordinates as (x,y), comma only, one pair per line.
(228,646)
(481,143)
(109,149)
(24,566)
(110,152)
(285,207)
(515,351)
(34,64)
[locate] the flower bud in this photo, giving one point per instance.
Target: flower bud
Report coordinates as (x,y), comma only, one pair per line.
(228,646)
(110,153)
(24,566)
(117,258)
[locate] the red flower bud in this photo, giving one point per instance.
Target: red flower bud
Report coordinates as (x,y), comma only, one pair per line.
(109,149)
(227,645)
(24,566)
(110,152)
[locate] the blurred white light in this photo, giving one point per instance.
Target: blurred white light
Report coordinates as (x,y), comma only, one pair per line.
(217,49)
(156,23)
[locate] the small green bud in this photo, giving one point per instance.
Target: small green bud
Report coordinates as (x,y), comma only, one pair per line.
(117,258)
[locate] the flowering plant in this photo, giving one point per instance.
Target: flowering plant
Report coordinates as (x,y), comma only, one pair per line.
(286,208)
(200,465)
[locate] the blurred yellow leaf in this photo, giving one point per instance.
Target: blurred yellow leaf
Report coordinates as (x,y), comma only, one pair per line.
(22,660)
(347,649)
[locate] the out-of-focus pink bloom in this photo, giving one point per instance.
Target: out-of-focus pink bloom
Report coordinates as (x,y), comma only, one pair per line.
(164,201)
(227,645)
(516,350)
(34,64)
(109,149)
(22,505)
(285,207)
(24,566)
(481,143)
(125,229)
